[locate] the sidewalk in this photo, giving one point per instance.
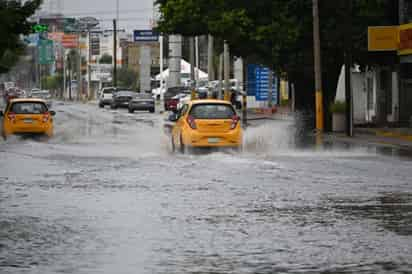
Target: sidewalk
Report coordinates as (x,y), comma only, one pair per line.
(397,137)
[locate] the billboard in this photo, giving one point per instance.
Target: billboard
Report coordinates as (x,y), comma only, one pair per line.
(70,41)
(55,36)
(405,39)
(94,43)
(383,38)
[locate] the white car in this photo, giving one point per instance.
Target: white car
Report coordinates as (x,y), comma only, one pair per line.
(106,96)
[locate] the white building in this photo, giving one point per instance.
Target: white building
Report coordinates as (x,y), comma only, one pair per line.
(375,95)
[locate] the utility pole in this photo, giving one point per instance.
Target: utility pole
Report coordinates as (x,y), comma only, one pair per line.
(226,62)
(175,57)
(79,74)
(64,73)
(197,60)
(210,55)
(348,66)
(114,53)
(192,66)
(70,61)
(161,72)
(220,78)
(318,68)
(89,75)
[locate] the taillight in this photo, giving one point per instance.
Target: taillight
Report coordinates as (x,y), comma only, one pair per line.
(191,121)
(46,117)
(11,116)
(235,121)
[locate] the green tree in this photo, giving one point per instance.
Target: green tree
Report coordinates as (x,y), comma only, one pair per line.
(52,82)
(14,22)
(106,59)
(279,34)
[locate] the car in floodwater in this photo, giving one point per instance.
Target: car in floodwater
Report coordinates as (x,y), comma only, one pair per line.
(27,116)
(106,96)
(206,123)
(42,94)
(142,101)
(122,98)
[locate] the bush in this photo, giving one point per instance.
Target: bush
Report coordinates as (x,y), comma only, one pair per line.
(338,107)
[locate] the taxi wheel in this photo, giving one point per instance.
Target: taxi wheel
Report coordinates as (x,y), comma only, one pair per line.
(182,147)
(173,145)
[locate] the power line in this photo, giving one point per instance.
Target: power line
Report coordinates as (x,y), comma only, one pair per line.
(140,19)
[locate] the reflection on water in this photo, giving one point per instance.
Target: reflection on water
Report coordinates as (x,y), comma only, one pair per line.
(392,211)
(105,197)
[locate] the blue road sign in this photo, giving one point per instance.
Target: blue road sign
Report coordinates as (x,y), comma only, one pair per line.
(258,83)
(145,36)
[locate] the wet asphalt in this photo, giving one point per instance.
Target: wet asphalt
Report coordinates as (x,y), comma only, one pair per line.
(107,195)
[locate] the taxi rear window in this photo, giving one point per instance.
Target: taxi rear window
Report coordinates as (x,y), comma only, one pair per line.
(212,111)
(28,108)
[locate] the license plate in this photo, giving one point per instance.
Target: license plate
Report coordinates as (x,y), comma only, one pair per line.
(28,121)
(213,140)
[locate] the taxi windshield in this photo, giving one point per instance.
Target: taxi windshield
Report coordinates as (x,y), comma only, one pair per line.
(28,108)
(212,111)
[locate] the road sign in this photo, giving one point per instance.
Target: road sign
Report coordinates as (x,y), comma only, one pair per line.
(94,43)
(70,41)
(87,23)
(40,28)
(32,39)
(258,83)
(145,36)
(70,25)
(46,52)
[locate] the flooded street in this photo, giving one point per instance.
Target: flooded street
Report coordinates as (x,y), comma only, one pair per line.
(107,195)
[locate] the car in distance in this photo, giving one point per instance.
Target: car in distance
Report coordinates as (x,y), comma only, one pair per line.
(206,123)
(122,98)
(41,94)
(171,97)
(142,101)
(27,116)
(106,96)
(10,94)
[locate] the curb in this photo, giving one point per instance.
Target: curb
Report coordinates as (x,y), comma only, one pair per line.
(384,134)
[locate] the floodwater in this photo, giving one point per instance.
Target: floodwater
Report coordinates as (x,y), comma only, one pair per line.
(107,195)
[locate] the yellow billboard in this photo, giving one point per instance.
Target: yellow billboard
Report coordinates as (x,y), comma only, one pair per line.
(405,39)
(384,38)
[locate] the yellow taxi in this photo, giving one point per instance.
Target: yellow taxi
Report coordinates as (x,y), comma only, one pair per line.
(206,123)
(27,116)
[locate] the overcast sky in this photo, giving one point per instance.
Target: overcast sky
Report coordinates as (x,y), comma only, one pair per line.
(133,14)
